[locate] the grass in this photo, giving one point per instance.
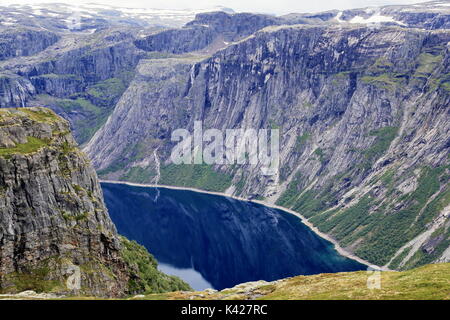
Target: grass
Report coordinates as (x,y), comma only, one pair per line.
(426,283)
(430,282)
(32,145)
(384,80)
(41,115)
(32,278)
(36,114)
(427,63)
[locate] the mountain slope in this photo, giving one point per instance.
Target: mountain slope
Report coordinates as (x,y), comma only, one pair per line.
(363,115)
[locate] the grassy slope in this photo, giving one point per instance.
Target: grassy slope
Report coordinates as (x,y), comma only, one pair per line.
(427,282)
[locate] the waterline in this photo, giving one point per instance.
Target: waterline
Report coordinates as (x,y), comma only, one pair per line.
(305,221)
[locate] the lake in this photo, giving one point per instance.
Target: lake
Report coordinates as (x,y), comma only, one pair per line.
(218,242)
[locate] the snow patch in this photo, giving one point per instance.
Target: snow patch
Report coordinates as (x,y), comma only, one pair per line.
(375,19)
(338,17)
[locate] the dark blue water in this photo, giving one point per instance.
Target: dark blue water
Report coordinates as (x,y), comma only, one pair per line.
(218,242)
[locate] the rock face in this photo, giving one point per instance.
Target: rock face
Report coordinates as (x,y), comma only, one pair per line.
(55,232)
(363,115)
(24,42)
(207,29)
(72,76)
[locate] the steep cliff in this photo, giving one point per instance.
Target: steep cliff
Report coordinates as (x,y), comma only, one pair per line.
(363,114)
(360,96)
(80,77)
(214,29)
(24,42)
(55,232)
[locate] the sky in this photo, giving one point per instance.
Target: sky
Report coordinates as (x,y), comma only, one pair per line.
(265,6)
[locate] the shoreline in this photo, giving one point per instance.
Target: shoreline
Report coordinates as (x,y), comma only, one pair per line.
(304,220)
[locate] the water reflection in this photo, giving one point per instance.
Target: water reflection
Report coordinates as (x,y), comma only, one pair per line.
(214,241)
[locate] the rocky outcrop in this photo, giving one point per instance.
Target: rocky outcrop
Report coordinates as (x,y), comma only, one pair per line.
(16,43)
(55,232)
(15,91)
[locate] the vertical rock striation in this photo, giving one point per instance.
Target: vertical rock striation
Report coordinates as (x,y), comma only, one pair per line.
(55,232)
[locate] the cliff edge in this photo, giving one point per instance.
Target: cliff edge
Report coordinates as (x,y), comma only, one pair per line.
(55,231)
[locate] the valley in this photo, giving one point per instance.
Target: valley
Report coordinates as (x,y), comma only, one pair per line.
(91,95)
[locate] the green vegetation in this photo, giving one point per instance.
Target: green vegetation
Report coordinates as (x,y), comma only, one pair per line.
(372,222)
(427,63)
(32,278)
(36,114)
(380,228)
(291,193)
(106,92)
(396,262)
(139,175)
(430,282)
(312,202)
(320,154)
(195,176)
(92,106)
(441,237)
(385,80)
(380,75)
(301,141)
(384,137)
(114,167)
(381,65)
(77,217)
(93,117)
(41,114)
(79,104)
(240,186)
(32,145)
(146,277)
